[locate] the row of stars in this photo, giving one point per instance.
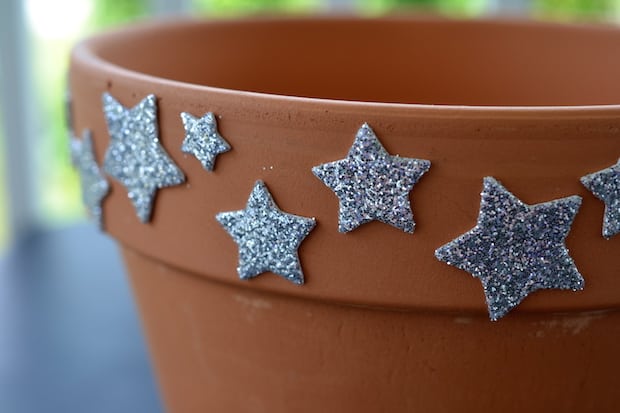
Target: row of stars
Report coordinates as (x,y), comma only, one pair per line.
(514,249)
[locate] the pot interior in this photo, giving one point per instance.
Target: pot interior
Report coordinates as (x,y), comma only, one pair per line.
(397,60)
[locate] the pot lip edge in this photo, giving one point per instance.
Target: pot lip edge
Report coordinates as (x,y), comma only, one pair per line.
(477,310)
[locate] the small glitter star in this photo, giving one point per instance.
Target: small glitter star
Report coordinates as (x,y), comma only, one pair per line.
(268,238)
(135,157)
(202,139)
(371,184)
(605,185)
(93,184)
(515,248)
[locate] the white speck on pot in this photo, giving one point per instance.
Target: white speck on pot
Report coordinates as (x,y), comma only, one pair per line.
(256,303)
(569,325)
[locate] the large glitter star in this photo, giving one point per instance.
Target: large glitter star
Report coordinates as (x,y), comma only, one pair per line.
(371,184)
(202,139)
(94,186)
(515,248)
(135,157)
(268,238)
(605,185)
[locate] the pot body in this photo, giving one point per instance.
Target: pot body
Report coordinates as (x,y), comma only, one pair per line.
(380,324)
(224,348)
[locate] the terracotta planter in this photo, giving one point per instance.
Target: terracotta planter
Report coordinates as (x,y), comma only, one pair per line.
(380,324)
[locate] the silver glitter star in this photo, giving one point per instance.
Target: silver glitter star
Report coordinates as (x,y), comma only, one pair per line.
(93,184)
(605,185)
(135,157)
(515,248)
(268,238)
(202,139)
(371,184)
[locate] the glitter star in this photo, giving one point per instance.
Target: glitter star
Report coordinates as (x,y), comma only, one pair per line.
(202,139)
(605,185)
(268,238)
(515,248)
(135,157)
(93,184)
(371,184)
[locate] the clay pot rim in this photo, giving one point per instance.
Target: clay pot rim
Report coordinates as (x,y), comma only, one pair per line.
(92,75)
(87,53)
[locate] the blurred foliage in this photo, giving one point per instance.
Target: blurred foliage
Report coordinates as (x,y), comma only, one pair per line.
(235,7)
(450,7)
(577,9)
(110,13)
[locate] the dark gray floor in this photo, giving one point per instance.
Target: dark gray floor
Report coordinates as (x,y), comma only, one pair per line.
(70,340)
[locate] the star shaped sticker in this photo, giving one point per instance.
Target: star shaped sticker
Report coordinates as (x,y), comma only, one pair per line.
(605,185)
(94,186)
(135,157)
(202,139)
(515,248)
(371,184)
(268,238)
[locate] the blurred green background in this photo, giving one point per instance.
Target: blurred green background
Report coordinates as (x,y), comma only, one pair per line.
(54,26)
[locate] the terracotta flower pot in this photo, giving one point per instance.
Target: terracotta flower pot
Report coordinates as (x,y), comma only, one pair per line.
(373,320)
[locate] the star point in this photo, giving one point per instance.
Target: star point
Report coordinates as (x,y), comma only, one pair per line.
(268,238)
(605,185)
(371,184)
(135,156)
(516,248)
(202,139)
(92,182)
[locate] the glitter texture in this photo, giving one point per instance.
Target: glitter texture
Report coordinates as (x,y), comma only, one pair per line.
(268,238)
(94,186)
(515,248)
(371,184)
(202,139)
(135,157)
(605,185)
(69,111)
